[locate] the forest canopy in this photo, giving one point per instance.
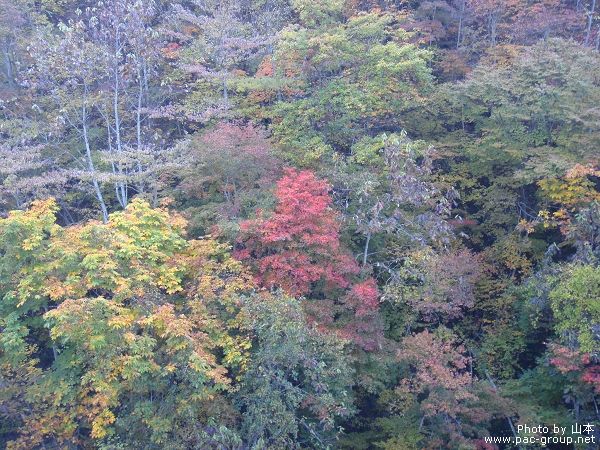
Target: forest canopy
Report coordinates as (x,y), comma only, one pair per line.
(277,224)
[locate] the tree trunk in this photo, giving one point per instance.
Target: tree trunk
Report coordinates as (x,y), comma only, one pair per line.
(91,167)
(589,25)
(8,65)
(366,253)
(122,186)
(460,22)
(510,422)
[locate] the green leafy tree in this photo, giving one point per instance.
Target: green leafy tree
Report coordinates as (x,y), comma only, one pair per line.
(298,383)
(576,308)
(220,41)
(356,78)
(506,128)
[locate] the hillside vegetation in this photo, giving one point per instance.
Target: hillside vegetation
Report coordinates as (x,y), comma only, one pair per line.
(278,224)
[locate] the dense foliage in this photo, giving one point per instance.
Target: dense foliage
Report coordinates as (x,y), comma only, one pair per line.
(270,224)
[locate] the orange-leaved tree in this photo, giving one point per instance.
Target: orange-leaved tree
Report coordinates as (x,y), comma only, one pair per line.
(98,340)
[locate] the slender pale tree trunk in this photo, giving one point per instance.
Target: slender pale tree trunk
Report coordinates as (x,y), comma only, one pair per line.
(589,24)
(8,65)
(90,162)
(366,254)
(225,94)
(122,186)
(460,22)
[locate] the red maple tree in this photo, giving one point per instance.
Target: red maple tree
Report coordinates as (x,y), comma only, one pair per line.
(297,249)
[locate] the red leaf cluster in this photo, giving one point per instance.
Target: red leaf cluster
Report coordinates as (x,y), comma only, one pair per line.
(567,360)
(297,249)
(299,244)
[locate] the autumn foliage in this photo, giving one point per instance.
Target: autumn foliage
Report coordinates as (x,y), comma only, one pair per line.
(297,248)
(165,282)
(298,244)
